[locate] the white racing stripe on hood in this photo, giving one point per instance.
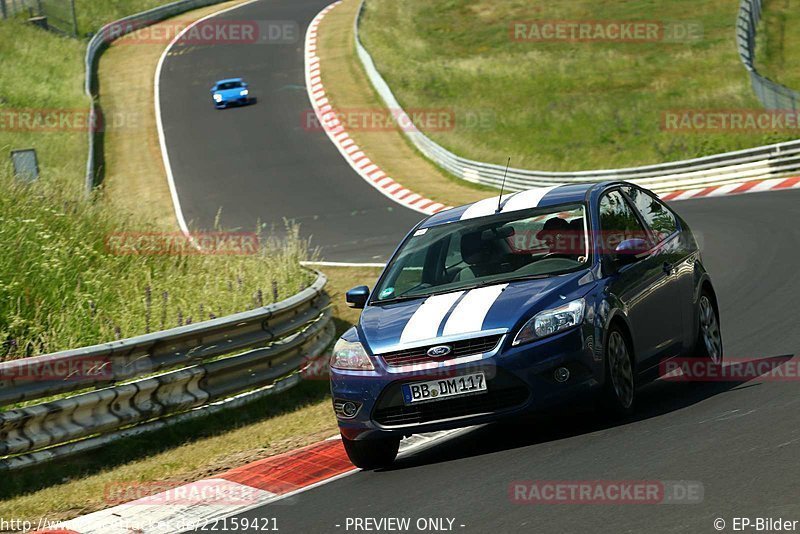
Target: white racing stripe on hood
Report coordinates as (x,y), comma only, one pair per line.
(527,199)
(472,310)
(424,324)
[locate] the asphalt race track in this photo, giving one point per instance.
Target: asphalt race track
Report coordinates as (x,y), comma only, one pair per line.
(740,440)
(260,163)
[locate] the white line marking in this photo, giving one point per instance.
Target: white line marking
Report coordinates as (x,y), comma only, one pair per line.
(173,191)
(340,264)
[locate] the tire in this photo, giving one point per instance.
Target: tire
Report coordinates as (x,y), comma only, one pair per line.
(709,338)
(371,453)
(620,383)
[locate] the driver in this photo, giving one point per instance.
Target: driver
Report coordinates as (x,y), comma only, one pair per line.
(556,234)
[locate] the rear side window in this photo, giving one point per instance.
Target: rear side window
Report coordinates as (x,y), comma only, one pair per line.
(655,214)
(618,222)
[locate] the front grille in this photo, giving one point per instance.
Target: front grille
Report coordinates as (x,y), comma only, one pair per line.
(503,392)
(462,347)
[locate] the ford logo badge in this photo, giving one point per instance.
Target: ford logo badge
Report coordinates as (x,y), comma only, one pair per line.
(439,351)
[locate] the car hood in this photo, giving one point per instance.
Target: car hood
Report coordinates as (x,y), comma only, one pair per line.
(500,306)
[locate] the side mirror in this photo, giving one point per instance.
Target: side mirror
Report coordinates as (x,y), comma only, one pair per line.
(357,297)
(630,250)
(213,89)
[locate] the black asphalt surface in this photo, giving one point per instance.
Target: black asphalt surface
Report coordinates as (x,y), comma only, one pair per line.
(741,441)
(260,163)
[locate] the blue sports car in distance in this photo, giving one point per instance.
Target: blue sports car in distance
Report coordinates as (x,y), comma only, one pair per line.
(510,305)
(231,92)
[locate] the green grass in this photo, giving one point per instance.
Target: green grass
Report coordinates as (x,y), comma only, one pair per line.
(60,287)
(778,45)
(560,105)
(41,70)
(63,287)
(92,14)
(44,71)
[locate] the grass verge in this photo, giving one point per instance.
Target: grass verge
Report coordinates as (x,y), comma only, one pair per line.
(185,452)
(778,48)
(562,105)
(350,92)
(189,451)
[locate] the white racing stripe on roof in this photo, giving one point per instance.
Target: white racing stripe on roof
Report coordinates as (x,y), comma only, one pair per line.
(424,324)
(484,207)
(472,310)
(527,199)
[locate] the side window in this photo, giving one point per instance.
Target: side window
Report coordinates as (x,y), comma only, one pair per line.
(657,216)
(618,222)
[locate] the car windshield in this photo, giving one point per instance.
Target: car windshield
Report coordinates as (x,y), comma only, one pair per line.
(474,252)
(228,85)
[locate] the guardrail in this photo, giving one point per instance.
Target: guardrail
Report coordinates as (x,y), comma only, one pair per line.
(771,94)
(771,161)
(143,383)
(97,44)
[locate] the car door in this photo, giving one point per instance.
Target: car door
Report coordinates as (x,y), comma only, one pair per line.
(646,289)
(678,253)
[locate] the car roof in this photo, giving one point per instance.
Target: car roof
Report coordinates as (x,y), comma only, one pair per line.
(229,80)
(539,197)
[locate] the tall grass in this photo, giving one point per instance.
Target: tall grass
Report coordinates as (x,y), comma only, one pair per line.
(561,105)
(778,44)
(92,14)
(59,285)
(62,287)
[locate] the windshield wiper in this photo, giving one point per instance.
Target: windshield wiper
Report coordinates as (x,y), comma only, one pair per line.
(399,298)
(477,285)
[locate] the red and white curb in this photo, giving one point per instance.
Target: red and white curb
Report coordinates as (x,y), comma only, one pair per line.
(351,152)
(200,504)
(751,186)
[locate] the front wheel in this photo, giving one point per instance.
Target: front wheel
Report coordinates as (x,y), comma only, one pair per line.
(620,386)
(709,338)
(371,453)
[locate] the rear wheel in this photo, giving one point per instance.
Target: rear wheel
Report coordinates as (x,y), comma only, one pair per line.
(371,453)
(709,338)
(620,386)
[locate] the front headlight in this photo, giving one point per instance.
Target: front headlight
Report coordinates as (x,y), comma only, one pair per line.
(244,92)
(350,356)
(218,97)
(552,321)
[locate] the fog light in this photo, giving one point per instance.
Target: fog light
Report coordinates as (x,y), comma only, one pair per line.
(346,409)
(561,374)
(349,409)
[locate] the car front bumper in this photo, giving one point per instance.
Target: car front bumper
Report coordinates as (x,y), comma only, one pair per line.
(519,380)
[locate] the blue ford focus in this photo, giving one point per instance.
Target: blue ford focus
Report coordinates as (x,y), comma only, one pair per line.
(511,305)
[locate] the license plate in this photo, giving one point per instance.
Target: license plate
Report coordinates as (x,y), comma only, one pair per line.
(445,388)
